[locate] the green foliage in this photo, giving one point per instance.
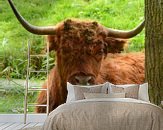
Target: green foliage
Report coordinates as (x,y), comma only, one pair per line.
(12,99)
(119,14)
(12,95)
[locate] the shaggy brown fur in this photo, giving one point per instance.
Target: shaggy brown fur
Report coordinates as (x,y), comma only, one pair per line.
(84,48)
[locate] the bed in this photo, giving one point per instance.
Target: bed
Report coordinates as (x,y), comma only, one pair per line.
(98,112)
(106,114)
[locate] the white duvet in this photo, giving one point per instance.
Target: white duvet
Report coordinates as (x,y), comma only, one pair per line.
(105,114)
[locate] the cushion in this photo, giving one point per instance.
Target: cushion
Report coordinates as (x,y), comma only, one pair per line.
(143,92)
(76,92)
(130,90)
(103,95)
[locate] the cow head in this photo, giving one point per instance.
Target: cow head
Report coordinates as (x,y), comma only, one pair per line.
(80,46)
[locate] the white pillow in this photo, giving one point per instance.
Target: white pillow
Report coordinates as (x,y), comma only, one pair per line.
(70,94)
(103,95)
(131,90)
(76,92)
(143,92)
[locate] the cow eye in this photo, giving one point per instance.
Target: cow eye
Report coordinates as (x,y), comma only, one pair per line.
(100,52)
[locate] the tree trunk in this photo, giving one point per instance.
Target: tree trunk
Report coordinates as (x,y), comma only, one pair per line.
(154,49)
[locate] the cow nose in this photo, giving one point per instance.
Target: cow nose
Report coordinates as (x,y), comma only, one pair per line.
(84,80)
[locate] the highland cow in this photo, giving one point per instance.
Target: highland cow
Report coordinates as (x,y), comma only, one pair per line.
(87,53)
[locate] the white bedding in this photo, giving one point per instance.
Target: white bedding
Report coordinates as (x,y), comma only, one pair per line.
(105,114)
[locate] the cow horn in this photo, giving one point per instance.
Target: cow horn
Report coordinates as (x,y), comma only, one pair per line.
(126,34)
(50,30)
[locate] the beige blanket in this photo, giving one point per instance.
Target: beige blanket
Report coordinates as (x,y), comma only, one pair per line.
(106,114)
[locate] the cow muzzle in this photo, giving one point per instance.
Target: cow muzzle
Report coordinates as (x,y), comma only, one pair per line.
(81,79)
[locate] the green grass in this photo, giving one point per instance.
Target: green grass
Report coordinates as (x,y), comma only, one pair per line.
(12,101)
(12,95)
(118,14)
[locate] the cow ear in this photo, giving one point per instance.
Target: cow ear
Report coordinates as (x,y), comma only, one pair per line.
(115,45)
(52,40)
